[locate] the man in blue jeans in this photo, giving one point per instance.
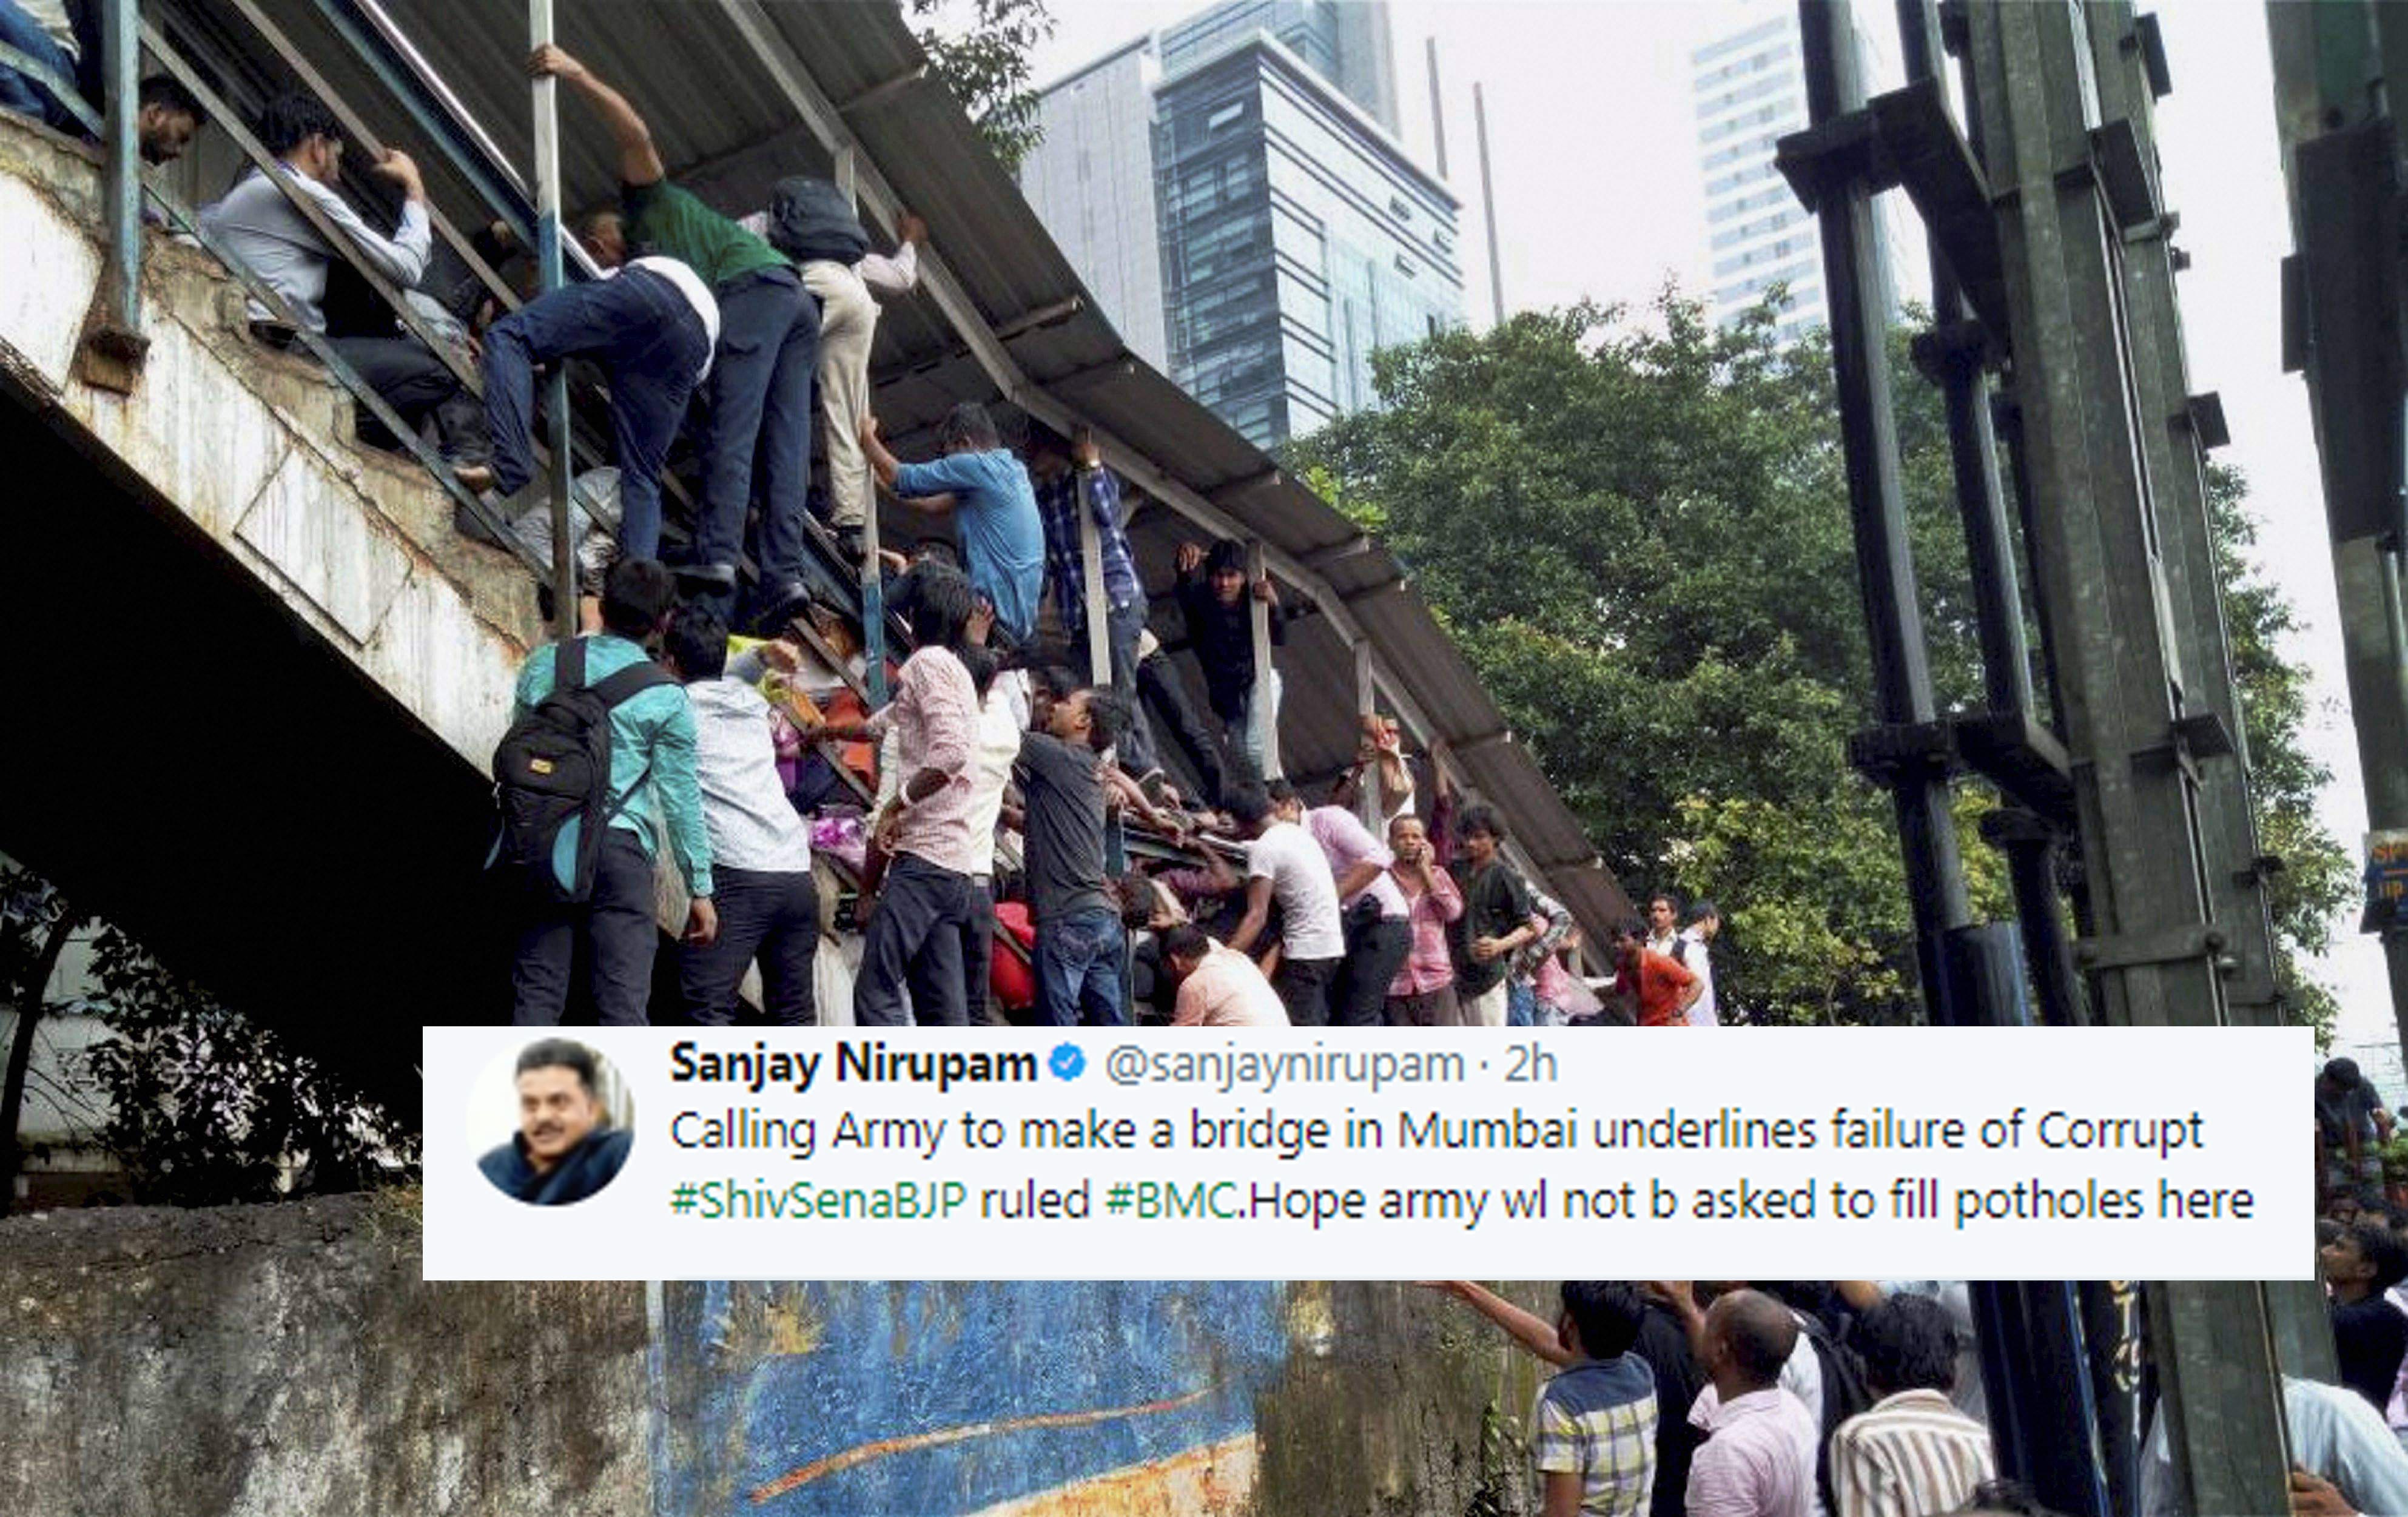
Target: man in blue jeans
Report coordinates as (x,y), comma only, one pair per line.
(760,445)
(1082,952)
(650,325)
(1068,483)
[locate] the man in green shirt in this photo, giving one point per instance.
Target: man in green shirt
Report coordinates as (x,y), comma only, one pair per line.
(760,374)
(652,772)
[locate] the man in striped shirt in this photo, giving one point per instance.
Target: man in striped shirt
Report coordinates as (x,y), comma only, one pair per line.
(1593,1431)
(1912,1452)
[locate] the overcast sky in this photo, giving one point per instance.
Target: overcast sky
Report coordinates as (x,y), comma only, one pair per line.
(1598,195)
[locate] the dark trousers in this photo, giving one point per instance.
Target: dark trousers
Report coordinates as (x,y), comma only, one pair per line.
(977,949)
(914,939)
(760,422)
(408,377)
(1166,699)
(773,916)
(22,94)
(1121,628)
(1303,987)
(652,342)
(1374,952)
(615,921)
(1082,971)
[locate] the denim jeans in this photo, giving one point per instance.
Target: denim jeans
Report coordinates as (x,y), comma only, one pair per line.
(1248,731)
(915,938)
(1080,970)
(760,422)
(22,94)
(652,344)
(1521,1003)
(1122,626)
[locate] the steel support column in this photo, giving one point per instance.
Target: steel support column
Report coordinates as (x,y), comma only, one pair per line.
(1854,275)
(2328,62)
(118,332)
(2094,532)
(546,100)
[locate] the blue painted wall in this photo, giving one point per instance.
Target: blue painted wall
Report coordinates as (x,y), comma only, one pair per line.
(758,1381)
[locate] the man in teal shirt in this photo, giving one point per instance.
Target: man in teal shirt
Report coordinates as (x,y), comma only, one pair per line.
(760,378)
(652,767)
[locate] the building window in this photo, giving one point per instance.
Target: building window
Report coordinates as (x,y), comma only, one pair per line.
(1404,265)
(1227,114)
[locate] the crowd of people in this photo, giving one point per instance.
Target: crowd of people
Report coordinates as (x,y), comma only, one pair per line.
(1852,1398)
(718,719)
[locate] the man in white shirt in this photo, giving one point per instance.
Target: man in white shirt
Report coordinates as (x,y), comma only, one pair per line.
(1286,866)
(761,851)
(1663,923)
(652,325)
(1692,952)
(2337,1439)
(259,226)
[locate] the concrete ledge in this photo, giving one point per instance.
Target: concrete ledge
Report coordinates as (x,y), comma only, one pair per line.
(255,449)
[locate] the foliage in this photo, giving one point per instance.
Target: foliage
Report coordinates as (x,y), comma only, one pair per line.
(1640,535)
(207,1107)
(984,59)
(2318,877)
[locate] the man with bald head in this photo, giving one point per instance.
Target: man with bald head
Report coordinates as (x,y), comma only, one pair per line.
(1758,1457)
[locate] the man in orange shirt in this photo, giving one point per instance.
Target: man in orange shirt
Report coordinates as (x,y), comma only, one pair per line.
(1659,989)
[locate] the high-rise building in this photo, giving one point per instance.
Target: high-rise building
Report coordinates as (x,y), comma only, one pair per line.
(1285,233)
(1345,41)
(1748,89)
(1092,184)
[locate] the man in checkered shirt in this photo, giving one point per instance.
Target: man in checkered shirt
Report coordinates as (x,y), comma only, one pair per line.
(1593,1430)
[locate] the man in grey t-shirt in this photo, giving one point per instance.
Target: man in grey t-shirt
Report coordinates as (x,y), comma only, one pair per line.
(1082,952)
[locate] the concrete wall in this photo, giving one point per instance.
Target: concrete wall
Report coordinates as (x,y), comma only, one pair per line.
(287,1362)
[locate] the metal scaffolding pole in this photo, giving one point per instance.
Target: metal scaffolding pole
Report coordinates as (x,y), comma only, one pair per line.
(1954,354)
(1854,275)
(2067,186)
(2341,79)
(548,264)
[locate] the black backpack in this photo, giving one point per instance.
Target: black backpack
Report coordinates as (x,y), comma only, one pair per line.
(810,220)
(554,768)
(1844,1395)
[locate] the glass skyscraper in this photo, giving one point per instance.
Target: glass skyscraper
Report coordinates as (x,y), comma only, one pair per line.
(1291,233)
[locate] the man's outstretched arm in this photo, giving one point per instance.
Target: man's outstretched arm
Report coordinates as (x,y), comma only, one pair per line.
(640,162)
(1527,1328)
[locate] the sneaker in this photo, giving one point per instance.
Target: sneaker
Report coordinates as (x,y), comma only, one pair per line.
(780,607)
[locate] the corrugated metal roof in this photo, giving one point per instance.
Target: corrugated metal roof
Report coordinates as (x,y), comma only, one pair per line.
(726,130)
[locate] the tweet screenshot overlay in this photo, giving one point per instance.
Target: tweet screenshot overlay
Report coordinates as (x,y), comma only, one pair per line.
(1110,1153)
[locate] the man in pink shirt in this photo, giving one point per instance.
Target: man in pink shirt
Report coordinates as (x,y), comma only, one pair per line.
(1758,1457)
(915,935)
(1218,986)
(1378,933)
(1423,993)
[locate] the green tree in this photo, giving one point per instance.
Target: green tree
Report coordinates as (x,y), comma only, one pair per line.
(1640,535)
(982,57)
(207,1107)
(2318,878)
